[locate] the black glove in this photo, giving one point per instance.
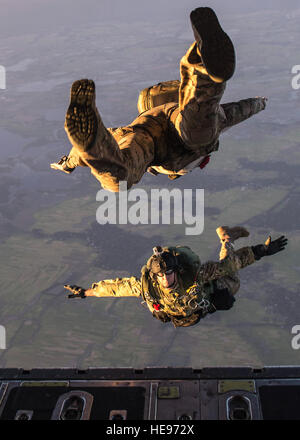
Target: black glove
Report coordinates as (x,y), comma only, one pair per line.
(77,291)
(270,247)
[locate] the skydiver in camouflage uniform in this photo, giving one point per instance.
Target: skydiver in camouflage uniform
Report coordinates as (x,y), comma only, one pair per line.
(177,287)
(179,122)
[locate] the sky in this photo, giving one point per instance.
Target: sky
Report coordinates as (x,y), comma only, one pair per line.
(20,16)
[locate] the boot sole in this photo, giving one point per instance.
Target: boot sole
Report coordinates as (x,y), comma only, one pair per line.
(217,50)
(81,119)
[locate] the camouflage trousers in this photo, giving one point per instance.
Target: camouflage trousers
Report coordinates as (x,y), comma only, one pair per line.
(170,135)
(231,280)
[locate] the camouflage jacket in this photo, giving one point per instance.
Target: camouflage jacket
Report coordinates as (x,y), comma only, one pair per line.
(154,129)
(195,293)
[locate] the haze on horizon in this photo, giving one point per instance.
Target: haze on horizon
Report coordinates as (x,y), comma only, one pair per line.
(18,17)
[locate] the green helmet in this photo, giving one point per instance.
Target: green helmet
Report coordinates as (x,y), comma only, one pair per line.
(161,261)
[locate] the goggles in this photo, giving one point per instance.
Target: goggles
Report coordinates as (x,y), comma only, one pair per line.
(167,272)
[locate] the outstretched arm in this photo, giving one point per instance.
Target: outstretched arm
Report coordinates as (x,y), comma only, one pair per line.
(109,288)
(239,111)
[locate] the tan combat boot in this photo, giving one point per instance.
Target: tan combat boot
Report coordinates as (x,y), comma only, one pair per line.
(94,144)
(81,123)
(214,45)
(225,233)
(84,126)
(228,235)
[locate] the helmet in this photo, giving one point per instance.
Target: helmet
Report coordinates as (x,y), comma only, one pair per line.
(161,261)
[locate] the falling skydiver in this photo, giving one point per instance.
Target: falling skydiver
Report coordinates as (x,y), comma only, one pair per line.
(179,122)
(175,285)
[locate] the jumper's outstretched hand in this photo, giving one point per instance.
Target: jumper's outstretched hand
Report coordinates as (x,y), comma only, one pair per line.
(272,247)
(269,247)
(76,291)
